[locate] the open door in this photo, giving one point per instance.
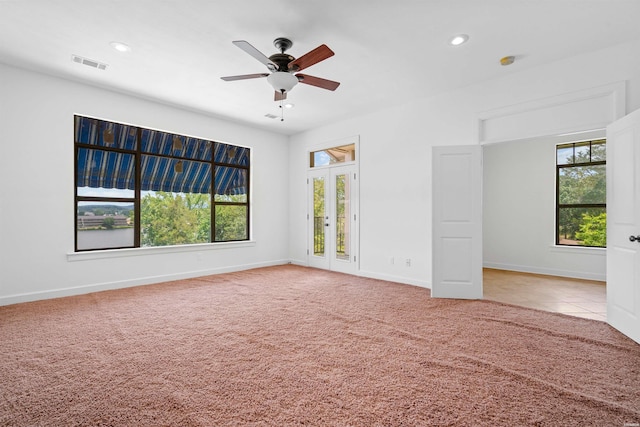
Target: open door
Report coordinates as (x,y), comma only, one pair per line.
(623,225)
(457,222)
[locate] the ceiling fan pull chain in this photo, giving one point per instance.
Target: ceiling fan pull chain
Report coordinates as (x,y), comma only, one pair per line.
(282,110)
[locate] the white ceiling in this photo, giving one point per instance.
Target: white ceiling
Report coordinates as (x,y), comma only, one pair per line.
(386,51)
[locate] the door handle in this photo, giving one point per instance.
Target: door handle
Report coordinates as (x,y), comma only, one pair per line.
(633,238)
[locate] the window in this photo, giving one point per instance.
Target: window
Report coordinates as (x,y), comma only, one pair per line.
(138,187)
(331,156)
(581,209)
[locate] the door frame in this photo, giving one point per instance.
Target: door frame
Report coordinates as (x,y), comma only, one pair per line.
(354,169)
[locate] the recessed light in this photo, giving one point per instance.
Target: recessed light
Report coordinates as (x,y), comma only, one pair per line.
(289,105)
(120,47)
(458,40)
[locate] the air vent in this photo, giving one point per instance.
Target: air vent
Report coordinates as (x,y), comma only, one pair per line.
(271,116)
(89,62)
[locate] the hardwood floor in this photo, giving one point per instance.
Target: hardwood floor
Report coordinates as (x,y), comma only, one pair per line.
(575,297)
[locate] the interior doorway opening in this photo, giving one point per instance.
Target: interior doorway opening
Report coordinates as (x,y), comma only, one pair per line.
(522,263)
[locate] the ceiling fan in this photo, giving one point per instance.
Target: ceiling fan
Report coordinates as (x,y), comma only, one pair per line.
(283,66)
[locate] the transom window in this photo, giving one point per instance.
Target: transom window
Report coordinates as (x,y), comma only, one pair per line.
(139,187)
(581,209)
(332,156)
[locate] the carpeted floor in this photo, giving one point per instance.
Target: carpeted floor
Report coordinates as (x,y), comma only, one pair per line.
(290,345)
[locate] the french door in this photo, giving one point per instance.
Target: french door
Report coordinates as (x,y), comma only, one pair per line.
(332,218)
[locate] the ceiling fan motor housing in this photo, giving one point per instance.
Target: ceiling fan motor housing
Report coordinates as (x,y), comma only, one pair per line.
(282,60)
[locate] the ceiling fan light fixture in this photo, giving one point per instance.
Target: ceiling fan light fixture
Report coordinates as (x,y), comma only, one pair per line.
(281,81)
(459,39)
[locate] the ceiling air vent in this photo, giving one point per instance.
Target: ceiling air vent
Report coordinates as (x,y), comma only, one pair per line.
(271,116)
(89,62)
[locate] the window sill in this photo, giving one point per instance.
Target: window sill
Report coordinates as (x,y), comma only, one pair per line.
(578,250)
(129,252)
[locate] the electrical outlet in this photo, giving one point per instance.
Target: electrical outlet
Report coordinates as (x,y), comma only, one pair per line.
(408,262)
(391,261)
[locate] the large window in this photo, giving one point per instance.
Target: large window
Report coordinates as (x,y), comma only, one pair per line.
(140,187)
(581,210)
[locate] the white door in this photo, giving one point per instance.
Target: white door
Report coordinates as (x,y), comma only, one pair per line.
(332,219)
(623,225)
(457,222)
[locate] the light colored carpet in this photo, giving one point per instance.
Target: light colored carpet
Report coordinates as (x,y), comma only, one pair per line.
(290,345)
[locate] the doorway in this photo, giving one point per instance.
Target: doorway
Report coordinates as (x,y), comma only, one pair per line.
(519,224)
(333,218)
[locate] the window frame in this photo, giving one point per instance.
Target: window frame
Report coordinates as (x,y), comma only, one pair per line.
(559,167)
(138,152)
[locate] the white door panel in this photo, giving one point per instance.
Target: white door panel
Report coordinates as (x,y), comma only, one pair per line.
(623,225)
(457,222)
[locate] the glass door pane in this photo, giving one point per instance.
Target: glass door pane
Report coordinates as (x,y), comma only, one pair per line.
(319,216)
(343,213)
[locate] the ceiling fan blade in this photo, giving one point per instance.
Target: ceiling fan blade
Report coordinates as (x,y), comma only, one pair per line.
(279,96)
(244,77)
(317,81)
(247,47)
(318,54)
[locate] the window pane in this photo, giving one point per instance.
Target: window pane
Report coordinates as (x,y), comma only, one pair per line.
(598,151)
(175,175)
(231,154)
(230,184)
(564,154)
(329,156)
(103,225)
(105,134)
(105,170)
(168,144)
(582,184)
(582,227)
(343,212)
(583,152)
(231,223)
(174,218)
(318,216)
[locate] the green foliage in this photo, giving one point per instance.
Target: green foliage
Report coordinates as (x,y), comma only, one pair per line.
(108,222)
(593,230)
(231,223)
(318,198)
(177,218)
(174,219)
(318,214)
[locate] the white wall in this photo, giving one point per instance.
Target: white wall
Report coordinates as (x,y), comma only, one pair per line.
(395,154)
(519,212)
(36,192)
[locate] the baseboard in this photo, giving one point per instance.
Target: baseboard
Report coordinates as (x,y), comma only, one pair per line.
(547,271)
(302,263)
(391,278)
(148,280)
